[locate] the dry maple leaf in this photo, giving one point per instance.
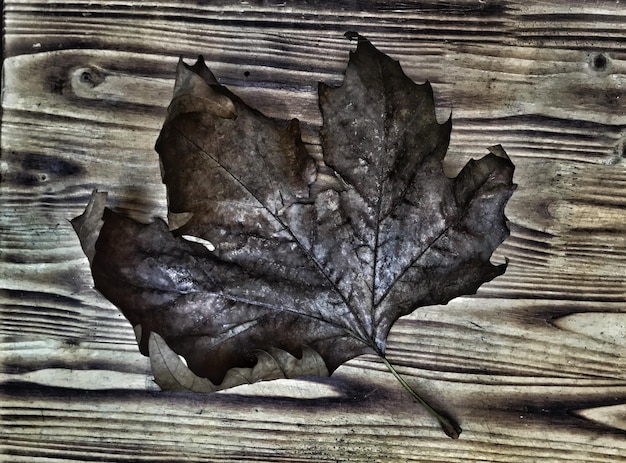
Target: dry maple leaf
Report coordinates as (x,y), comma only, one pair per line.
(276,266)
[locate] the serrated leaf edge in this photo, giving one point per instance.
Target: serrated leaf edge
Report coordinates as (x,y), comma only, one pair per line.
(172,374)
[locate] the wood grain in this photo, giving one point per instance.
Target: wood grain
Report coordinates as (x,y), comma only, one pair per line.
(533,366)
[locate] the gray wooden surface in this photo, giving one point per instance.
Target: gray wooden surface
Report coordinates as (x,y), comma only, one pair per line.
(533,366)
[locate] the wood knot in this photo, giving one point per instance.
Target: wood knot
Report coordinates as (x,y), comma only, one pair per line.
(599,62)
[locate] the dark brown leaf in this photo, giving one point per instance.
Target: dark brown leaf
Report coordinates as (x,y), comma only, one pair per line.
(300,262)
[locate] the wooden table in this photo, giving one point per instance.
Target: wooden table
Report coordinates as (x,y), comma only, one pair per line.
(533,366)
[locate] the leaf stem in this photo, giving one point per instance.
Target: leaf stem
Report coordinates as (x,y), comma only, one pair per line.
(449,426)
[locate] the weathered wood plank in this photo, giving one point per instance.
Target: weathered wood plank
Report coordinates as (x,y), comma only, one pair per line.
(533,366)
(219,427)
(461,337)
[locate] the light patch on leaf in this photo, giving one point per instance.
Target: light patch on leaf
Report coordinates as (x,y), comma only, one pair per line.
(194,239)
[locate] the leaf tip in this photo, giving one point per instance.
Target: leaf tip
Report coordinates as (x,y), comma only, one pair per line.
(200,68)
(352,35)
(87,225)
(498,150)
